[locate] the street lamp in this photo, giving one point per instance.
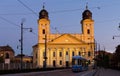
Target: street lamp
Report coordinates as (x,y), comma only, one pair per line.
(21,40)
(116,35)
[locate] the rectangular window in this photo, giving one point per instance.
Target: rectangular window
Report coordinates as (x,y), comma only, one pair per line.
(60,62)
(53,54)
(60,54)
(66,53)
(36,55)
(73,53)
(89,54)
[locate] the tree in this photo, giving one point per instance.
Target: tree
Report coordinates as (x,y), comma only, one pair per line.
(117,56)
(102,59)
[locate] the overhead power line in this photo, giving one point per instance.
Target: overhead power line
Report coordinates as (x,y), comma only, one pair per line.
(71,10)
(28,7)
(16,13)
(9,21)
(14,24)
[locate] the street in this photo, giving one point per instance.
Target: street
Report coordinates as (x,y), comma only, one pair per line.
(107,72)
(65,72)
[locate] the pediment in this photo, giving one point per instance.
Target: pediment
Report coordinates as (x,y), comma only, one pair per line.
(66,39)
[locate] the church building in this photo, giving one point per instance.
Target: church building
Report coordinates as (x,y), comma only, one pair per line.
(56,50)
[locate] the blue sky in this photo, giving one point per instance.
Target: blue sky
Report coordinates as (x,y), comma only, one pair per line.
(65,15)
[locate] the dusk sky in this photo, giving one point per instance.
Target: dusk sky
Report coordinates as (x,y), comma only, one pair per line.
(65,15)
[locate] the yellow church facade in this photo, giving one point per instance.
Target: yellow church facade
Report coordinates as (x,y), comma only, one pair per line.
(56,50)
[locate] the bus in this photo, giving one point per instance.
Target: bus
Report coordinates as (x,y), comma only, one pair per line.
(79,64)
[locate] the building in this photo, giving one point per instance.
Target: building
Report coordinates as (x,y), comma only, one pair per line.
(26,58)
(56,50)
(6,54)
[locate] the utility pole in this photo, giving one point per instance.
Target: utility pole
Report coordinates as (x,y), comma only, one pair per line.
(45,56)
(21,45)
(21,40)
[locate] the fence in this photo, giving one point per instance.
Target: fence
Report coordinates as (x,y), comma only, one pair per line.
(11,66)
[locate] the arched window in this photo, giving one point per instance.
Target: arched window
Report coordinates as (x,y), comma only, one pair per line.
(54,63)
(66,53)
(88,31)
(43,31)
(6,55)
(79,53)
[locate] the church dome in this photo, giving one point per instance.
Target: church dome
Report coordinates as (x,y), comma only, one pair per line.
(43,14)
(87,14)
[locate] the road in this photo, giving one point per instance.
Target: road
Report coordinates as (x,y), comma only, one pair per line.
(65,72)
(107,72)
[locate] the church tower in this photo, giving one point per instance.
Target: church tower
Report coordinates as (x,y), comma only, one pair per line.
(43,25)
(87,26)
(43,33)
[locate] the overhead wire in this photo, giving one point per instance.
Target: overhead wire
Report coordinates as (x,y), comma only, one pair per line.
(61,11)
(29,10)
(13,23)
(16,14)
(9,21)
(27,7)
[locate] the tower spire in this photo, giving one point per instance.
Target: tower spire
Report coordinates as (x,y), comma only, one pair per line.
(43,13)
(87,6)
(43,5)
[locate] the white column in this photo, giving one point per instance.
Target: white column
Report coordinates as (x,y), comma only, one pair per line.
(57,57)
(70,56)
(48,59)
(38,56)
(51,56)
(64,56)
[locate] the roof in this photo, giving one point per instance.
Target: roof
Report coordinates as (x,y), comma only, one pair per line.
(87,14)
(24,56)
(66,39)
(43,14)
(6,48)
(78,57)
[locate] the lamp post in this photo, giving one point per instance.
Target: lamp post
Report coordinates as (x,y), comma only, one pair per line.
(21,40)
(45,56)
(21,45)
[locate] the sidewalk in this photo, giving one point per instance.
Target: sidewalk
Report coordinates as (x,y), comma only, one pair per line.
(107,72)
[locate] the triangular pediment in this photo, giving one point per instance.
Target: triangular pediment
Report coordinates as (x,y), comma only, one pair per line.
(66,38)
